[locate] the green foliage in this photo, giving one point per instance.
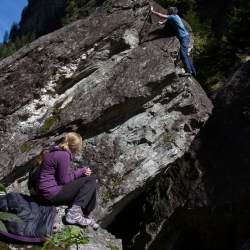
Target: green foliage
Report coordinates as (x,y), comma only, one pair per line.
(212,56)
(13,31)
(9,217)
(10,47)
(3,227)
(238,23)
(182,5)
(205,44)
(108,196)
(2,188)
(6,216)
(206,51)
(5,37)
(167,140)
(113,247)
(68,237)
(76,9)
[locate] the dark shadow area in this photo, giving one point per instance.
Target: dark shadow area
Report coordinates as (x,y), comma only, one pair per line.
(158,33)
(18,172)
(225,227)
(97,3)
(127,224)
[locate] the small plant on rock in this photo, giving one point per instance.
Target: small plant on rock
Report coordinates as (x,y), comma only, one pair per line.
(113,247)
(68,237)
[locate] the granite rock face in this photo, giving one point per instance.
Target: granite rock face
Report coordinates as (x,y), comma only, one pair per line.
(113,78)
(202,200)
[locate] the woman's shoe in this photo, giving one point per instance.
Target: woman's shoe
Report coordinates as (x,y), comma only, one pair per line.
(93,224)
(74,216)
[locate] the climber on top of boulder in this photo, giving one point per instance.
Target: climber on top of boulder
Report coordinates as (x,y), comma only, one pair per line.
(182,35)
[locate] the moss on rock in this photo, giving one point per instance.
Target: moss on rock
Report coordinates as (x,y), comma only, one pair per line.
(49,122)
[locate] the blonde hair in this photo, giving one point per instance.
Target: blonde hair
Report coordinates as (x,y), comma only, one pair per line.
(41,156)
(70,140)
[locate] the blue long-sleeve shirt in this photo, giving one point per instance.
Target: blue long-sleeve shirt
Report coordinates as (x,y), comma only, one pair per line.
(54,173)
(177,25)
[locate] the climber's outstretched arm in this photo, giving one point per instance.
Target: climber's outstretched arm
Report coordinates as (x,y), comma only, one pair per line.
(158,14)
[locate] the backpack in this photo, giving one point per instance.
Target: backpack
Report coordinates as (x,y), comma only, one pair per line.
(33,175)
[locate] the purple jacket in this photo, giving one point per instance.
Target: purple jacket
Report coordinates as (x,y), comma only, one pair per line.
(54,173)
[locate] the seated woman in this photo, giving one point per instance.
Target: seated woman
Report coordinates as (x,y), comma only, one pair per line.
(57,186)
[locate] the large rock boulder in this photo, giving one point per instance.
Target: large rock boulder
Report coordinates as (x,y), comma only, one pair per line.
(113,78)
(202,200)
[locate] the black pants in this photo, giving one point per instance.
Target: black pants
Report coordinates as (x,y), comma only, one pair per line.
(81,192)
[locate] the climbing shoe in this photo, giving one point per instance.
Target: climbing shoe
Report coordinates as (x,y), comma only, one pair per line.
(186,74)
(93,224)
(74,216)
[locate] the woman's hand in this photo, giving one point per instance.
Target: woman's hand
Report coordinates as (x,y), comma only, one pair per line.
(88,172)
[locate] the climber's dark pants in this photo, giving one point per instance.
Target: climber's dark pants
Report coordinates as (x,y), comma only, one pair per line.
(81,192)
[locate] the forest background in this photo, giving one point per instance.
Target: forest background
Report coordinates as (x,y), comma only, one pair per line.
(220,27)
